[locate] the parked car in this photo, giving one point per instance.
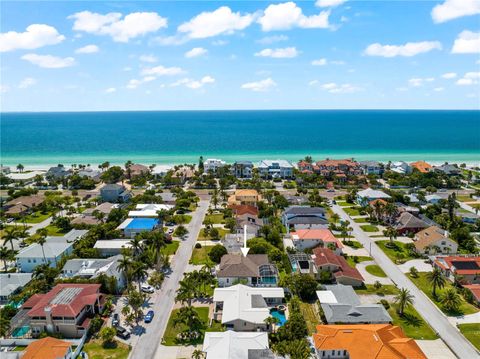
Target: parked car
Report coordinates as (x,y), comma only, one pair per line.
(115,320)
(330,190)
(149,316)
(170,224)
(123,333)
(147,288)
(170,231)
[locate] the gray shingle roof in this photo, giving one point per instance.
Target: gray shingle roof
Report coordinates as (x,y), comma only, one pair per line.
(299,210)
(236,265)
(10,282)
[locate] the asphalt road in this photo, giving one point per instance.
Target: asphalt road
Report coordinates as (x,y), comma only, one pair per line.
(149,342)
(460,346)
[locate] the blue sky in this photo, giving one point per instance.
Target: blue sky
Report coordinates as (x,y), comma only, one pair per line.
(88,56)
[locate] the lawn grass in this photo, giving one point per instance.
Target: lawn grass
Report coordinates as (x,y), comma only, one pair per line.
(369,228)
(399,252)
(472,333)
(353,244)
(383,290)
(171,333)
(352,211)
(310,315)
(375,270)
(423,283)
(361,220)
(344,204)
(412,323)
(200,256)
(221,233)
(37,217)
(95,350)
(171,248)
(52,230)
(352,263)
(216,218)
(185,217)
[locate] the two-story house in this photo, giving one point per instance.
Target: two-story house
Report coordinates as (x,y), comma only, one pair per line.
(252,270)
(434,240)
(275,169)
(242,169)
(114,193)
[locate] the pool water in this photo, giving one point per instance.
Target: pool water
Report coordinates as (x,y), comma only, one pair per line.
(279,315)
(20,332)
(143,223)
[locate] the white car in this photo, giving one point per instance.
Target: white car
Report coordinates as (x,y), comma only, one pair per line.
(147,288)
(170,231)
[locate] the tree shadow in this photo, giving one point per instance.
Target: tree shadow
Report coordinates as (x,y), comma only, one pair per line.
(411,319)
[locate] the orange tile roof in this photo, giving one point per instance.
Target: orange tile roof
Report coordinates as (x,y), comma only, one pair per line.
(325,235)
(422,166)
(47,348)
(367,341)
(246,192)
(475,289)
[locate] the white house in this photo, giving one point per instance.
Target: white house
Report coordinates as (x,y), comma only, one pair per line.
(401,167)
(213,164)
(149,210)
(433,198)
(366,196)
(244,309)
(111,247)
(275,169)
(236,345)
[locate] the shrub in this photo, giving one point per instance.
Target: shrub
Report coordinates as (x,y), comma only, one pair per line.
(217,252)
(385,303)
(198,245)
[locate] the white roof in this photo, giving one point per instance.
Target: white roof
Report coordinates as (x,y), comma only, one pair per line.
(372,193)
(326,296)
(149,210)
(233,345)
(281,163)
(432,197)
(24,175)
(237,302)
(52,249)
(159,169)
(112,244)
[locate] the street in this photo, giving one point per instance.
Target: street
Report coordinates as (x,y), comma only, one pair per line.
(437,320)
(149,342)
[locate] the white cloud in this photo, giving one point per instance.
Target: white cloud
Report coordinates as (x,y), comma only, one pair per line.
(27,82)
(111,90)
(438,89)
(148,78)
(467,42)
(219,42)
(272,39)
(313,83)
(195,52)
(329,3)
(4,88)
(417,82)
(127,68)
(335,88)
(453,9)
(194,84)
(288,15)
(121,30)
(162,71)
(133,84)
(449,75)
(148,58)
(287,52)
(319,62)
(470,78)
(35,36)
(89,49)
(218,22)
(260,86)
(49,61)
(174,40)
(408,49)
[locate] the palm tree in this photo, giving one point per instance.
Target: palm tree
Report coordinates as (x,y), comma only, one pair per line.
(437,280)
(198,354)
(451,300)
(185,292)
(10,235)
(5,255)
(42,239)
(20,167)
(391,233)
(344,229)
(189,317)
(335,217)
(124,265)
(403,299)
(139,272)
(136,246)
(271,321)
(390,211)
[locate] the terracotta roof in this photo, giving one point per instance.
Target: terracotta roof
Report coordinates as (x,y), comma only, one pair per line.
(324,256)
(429,236)
(47,348)
(372,341)
(345,162)
(381,201)
(241,209)
(422,166)
(246,192)
(460,265)
(475,289)
(65,300)
(325,235)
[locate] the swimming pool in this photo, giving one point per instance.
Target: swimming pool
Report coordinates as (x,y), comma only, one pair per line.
(20,332)
(279,315)
(142,223)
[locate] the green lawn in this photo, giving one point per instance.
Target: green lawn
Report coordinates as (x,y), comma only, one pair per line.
(171,248)
(383,290)
(352,211)
(465,199)
(215,218)
(52,230)
(37,217)
(311,316)
(185,217)
(200,256)
(221,233)
(369,228)
(353,244)
(95,350)
(412,323)
(352,263)
(423,283)
(344,204)
(375,270)
(472,333)
(171,333)
(399,252)
(361,220)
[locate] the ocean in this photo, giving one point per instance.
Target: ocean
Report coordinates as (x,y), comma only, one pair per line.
(171,137)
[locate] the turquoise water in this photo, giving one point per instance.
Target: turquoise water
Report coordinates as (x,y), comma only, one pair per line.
(182,136)
(279,315)
(20,332)
(142,223)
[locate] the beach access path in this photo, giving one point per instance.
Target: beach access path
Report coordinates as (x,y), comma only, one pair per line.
(149,344)
(437,320)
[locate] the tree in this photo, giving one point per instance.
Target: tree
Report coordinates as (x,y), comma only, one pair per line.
(185,292)
(302,285)
(10,235)
(345,229)
(124,264)
(112,175)
(156,279)
(139,272)
(217,252)
(20,167)
(403,299)
(335,217)
(42,239)
(5,255)
(413,272)
(201,167)
(198,354)
(391,233)
(189,318)
(271,321)
(135,300)
(181,231)
(437,280)
(451,300)
(107,334)
(377,285)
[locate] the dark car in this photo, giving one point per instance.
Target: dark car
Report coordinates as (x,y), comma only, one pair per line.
(116,320)
(123,333)
(149,316)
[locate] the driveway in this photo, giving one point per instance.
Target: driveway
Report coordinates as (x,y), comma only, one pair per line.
(417,263)
(149,344)
(437,320)
(370,278)
(435,349)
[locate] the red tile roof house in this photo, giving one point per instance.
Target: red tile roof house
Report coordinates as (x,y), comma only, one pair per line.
(310,238)
(345,166)
(327,260)
(475,290)
(67,309)
(467,268)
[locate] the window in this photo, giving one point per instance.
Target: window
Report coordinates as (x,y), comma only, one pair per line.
(29,261)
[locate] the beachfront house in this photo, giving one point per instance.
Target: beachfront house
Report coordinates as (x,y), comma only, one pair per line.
(244,309)
(213,164)
(242,169)
(433,240)
(421,166)
(275,169)
(304,217)
(371,167)
(254,270)
(114,193)
(58,172)
(401,167)
(344,167)
(133,226)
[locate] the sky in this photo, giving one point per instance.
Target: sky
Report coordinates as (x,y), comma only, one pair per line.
(202,55)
